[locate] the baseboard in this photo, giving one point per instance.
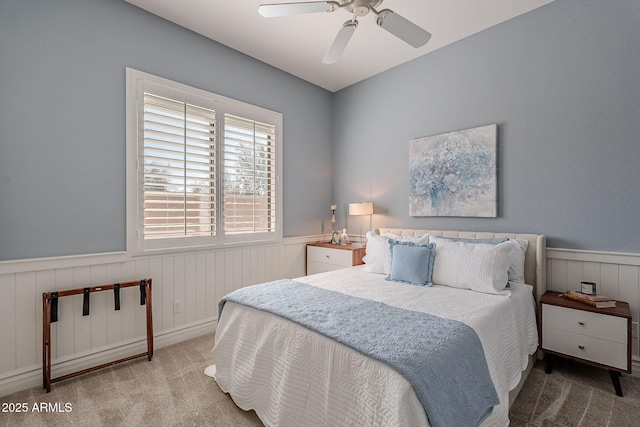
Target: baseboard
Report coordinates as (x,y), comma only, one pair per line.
(29,377)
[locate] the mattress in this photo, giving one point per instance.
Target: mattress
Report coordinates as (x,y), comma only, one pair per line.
(292,376)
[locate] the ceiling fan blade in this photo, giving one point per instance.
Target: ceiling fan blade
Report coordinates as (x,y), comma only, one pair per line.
(403,28)
(340,43)
(287,9)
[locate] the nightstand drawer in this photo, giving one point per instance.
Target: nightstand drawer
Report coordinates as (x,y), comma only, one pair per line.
(597,350)
(321,267)
(586,323)
(337,257)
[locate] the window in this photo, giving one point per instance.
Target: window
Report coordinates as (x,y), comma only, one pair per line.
(249,176)
(179,154)
(185,147)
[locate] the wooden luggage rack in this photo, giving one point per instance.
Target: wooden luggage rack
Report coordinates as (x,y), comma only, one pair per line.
(50,314)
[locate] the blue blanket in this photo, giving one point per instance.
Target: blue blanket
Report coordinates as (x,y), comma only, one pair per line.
(442,359)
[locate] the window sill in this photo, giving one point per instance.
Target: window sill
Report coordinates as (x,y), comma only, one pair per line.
(132,254)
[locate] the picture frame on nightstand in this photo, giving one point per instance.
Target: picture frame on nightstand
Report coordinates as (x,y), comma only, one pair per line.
(588,288)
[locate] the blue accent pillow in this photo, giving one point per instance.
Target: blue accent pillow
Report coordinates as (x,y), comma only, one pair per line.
(411,262)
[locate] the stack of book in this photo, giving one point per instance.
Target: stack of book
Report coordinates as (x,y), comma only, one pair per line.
(597,301)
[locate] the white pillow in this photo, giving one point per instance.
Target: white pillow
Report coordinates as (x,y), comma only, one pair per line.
(378,252)
(477,266)
(420,240)
(516,256)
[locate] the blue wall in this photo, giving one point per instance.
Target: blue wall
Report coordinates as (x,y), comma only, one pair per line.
(62,120)
(563,84)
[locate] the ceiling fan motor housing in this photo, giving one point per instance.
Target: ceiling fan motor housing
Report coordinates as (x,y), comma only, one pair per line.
(361,7)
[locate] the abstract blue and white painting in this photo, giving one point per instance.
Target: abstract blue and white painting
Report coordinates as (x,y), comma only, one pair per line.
(454,174)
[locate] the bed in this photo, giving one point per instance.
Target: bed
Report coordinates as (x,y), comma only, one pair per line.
(292,375)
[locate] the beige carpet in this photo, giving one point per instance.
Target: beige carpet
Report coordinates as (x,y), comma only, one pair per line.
(575,394)
(172,390)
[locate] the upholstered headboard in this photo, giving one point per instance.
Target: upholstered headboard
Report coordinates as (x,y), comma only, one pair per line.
(535,257)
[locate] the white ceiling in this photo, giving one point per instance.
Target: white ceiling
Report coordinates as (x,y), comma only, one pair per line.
(297,44)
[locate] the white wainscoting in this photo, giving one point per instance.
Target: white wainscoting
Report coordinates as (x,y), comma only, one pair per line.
(197,279)
(615,274)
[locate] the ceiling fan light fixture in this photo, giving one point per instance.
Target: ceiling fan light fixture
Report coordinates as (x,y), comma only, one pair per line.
(402,28)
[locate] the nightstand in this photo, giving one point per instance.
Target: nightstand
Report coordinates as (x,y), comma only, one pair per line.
(323,257)
(597,336)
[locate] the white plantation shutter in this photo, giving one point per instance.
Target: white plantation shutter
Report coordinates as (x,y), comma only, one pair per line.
(202,169)
(250,176)
(179,169)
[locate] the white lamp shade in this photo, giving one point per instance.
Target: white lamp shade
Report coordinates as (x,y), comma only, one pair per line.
(364,208)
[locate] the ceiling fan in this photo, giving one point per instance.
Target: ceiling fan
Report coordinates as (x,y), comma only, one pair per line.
(387,19)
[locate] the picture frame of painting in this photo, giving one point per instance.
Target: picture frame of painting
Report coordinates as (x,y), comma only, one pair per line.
(454,174)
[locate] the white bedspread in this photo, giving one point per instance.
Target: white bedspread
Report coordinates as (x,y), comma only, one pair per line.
(292,376)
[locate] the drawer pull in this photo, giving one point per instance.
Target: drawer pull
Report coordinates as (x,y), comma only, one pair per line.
(327,256)
(581,323)
(581,347)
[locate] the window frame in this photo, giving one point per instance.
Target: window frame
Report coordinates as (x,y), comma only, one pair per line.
(137,83)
